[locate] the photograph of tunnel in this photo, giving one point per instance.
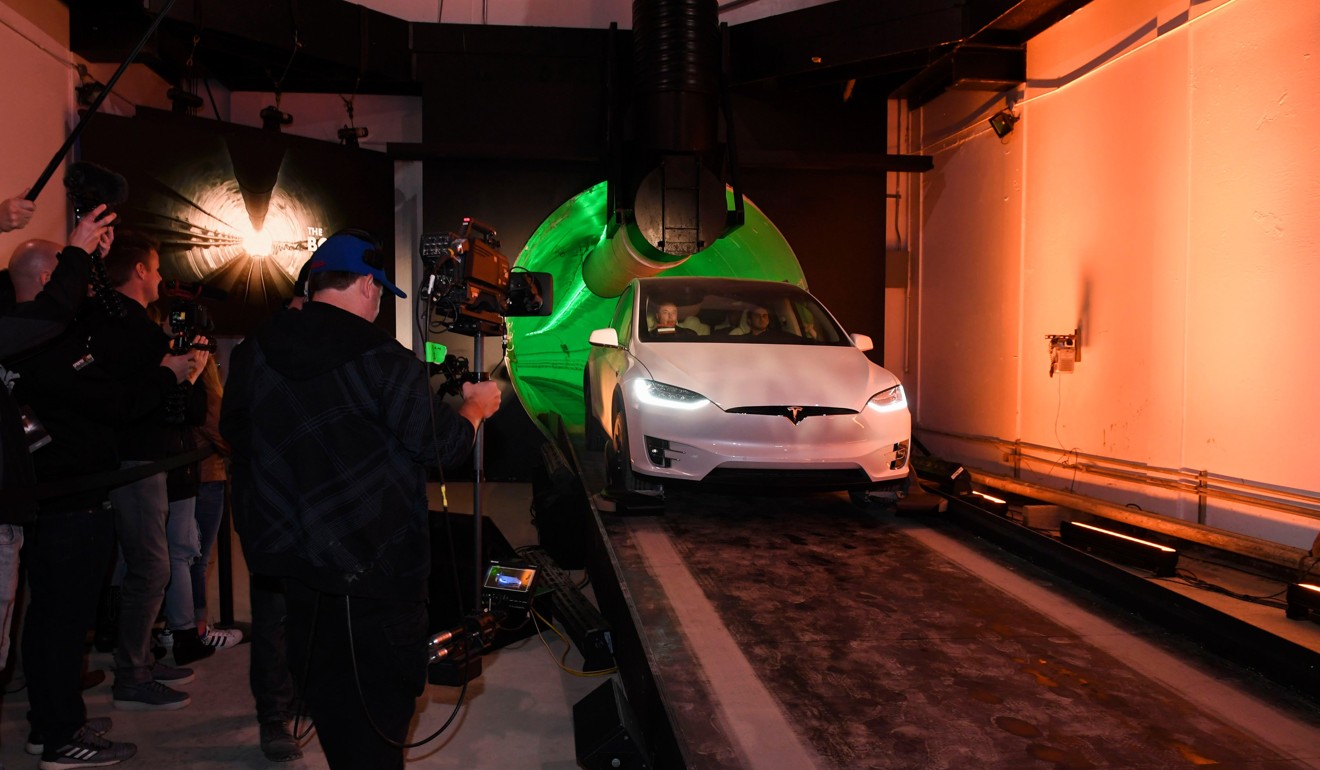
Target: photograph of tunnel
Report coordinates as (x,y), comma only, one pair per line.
(238,209)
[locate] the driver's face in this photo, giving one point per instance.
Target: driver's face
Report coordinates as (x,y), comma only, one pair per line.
(759,319)
(666,315)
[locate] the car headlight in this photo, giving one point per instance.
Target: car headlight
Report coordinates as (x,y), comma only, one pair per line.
(889,400)
(660,394)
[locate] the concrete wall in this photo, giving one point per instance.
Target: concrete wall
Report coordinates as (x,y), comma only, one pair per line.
(1160,193)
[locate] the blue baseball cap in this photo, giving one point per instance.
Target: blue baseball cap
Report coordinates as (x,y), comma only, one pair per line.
(353,253)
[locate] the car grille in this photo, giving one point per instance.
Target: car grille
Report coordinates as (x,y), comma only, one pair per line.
(832,478)
(781,411)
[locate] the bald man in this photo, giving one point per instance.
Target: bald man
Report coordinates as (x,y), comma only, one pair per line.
(50,283)
(31,266)
(52,294)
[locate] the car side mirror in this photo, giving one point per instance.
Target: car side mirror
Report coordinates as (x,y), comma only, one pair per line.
(862,342)
(605,338)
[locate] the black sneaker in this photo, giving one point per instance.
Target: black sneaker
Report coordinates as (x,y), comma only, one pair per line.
(171,675)
(150,695)
(36,744)
(278,743)
(86,749)
(188,647)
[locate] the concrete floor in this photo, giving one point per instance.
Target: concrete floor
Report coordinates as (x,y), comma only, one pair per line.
(517,715)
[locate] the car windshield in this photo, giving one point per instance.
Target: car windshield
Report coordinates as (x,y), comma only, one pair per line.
(716,310)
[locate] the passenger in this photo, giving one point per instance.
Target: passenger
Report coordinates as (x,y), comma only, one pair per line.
(764,327)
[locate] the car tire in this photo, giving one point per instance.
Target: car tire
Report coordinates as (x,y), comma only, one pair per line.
(595,434)
(618,460)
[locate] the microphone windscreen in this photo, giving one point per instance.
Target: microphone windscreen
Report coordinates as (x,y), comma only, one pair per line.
(94,185)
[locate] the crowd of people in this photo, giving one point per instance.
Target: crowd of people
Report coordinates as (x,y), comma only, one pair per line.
(117,442)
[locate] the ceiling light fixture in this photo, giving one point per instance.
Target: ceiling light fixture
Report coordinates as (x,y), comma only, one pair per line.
(272,119)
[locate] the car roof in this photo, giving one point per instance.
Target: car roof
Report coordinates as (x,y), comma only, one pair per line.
(713,284)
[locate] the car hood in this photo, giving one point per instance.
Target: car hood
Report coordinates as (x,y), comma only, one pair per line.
(736,375)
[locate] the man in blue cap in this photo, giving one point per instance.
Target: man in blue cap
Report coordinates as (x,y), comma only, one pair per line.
(333,424)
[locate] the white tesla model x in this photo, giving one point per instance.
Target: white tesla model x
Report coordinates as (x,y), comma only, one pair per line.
(741,382)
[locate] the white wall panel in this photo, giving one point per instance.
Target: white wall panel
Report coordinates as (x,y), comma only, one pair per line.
(1161,192)
(1254,306)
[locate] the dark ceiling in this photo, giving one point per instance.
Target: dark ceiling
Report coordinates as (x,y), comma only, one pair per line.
(914,49)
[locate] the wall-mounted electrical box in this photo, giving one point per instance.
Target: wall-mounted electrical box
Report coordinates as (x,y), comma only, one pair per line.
(1065,351)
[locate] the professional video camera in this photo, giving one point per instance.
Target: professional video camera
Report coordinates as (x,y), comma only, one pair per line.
(506,596)
(188,318)
(470,286)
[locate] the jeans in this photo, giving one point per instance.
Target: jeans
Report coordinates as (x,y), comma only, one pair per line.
(389,657)
(141,510)
(11,542)
(210,509)
(268,668)
(181,534)
(67,555)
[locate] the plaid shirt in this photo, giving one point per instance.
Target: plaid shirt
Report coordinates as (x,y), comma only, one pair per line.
(330,424)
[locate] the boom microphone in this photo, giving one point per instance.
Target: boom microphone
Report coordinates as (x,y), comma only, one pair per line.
(90,185)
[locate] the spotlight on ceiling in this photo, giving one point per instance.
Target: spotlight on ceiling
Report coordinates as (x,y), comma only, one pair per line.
(1002,122)
(349,135)
(272,118)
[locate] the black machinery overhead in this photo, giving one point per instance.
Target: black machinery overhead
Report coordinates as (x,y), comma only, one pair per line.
(913,49)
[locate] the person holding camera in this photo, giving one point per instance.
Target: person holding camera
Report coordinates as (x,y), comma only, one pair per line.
(49,285)
(332,426)
(133,349)
(80,399)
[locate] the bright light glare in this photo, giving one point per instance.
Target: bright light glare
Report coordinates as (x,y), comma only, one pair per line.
(891,400)
(258,243)
(991,498)
(659,394)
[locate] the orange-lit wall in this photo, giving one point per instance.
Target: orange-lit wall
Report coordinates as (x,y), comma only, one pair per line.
(36,93)
(1162,193)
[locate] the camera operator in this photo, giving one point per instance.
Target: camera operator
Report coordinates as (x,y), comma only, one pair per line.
(332,426)
(50,285)
(135,352)
(80,398)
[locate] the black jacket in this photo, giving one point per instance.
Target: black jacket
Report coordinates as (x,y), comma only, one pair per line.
(330,424)
(24,328)
(29,324)
(101,392)
(130,349)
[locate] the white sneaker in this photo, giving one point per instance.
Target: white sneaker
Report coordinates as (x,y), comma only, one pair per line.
(221,638)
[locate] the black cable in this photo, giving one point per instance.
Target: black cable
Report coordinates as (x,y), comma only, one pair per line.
(1189,578)
(352,654)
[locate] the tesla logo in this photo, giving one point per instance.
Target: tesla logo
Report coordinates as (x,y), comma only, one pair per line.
(794,414)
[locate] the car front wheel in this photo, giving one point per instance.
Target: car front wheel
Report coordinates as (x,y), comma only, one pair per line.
(618,460)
